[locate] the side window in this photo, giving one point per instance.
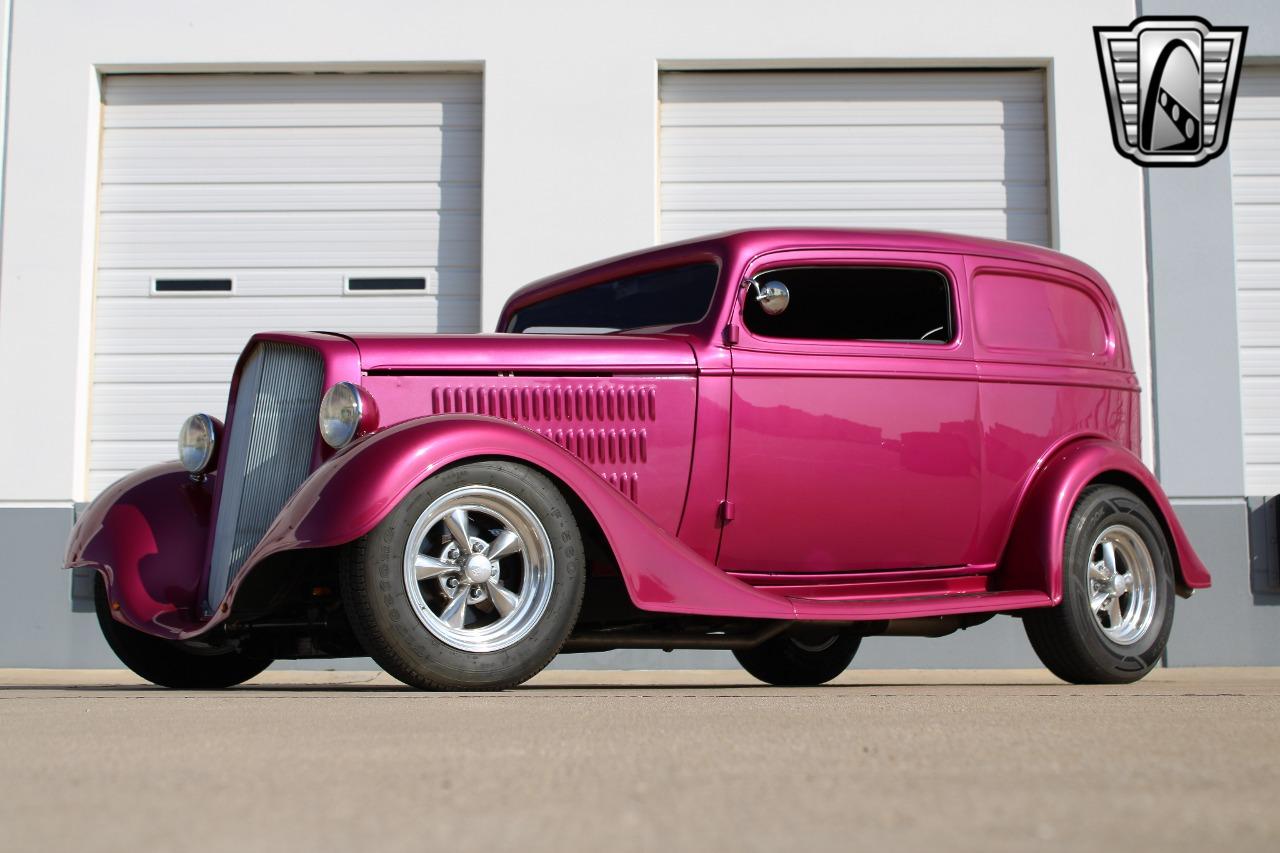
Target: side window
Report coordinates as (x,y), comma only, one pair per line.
(857,303)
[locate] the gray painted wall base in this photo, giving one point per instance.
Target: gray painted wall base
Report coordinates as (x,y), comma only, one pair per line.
(37,627)
(1225,624)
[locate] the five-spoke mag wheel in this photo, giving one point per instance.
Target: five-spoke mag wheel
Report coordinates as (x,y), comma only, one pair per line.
(1121,587)
(478,568)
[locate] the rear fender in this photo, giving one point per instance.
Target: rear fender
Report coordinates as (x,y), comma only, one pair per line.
(1032,559)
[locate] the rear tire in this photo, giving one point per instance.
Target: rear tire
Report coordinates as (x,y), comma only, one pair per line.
(790,661)
(486,616)
(1117,593)
(169,663)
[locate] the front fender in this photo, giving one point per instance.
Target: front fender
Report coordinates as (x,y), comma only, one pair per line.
(146,535)
(351,493)
(1032,559)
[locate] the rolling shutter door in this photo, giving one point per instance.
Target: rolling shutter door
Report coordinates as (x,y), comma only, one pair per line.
(960,151)
(283,186)
(1255,187)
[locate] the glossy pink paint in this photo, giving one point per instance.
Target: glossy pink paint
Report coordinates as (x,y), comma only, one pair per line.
(940,477)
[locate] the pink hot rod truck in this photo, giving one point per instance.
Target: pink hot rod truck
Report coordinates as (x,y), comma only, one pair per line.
(775,442)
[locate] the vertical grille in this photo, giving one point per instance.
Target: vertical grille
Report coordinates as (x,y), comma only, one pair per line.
(269,447)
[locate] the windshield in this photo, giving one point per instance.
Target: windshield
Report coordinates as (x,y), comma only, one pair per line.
(670,297)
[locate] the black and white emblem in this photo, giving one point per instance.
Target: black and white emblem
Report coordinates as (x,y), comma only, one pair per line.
(1170,84)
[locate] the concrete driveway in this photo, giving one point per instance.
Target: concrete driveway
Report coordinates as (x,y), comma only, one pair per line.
(1188,759)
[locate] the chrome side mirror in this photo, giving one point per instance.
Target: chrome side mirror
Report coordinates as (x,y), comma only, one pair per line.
(773,296)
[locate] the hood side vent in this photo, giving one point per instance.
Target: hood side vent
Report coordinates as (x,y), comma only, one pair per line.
(600,424)
(572,403)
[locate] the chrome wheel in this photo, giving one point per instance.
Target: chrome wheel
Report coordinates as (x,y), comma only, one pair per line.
(1122,584)
(478,569)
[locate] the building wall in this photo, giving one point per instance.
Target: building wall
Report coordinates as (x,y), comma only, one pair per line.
(570,175)
(1198,439)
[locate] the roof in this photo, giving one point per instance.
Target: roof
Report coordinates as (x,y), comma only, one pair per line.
(751,242)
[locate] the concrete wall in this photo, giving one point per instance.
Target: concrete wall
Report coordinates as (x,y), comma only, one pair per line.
(570,174)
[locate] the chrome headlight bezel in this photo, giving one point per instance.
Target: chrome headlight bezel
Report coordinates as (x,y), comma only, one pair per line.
(344,413)
(198,443)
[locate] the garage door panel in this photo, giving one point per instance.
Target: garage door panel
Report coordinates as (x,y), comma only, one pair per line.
(224,325)
(273,114)
(814,113)
(1255,181)
(900,88)
(1257,275)
(222,101)
(288,239)
(292,91)
(1261,404)
(286,184)
(234,197)
(1259,313)
(1253,189)
(1266,451)
(1258,230)
(957,151)
(152,412)
(1260,361)
(848,195)
(994,223)
(304,155)
(852,154)
(131,455)
(171,369)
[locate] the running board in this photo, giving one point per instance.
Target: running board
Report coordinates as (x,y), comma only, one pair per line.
(867,610)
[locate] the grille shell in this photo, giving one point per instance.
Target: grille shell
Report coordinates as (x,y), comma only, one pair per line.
(270,445)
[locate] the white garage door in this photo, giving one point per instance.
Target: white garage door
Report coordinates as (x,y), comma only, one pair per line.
(232,204)
(1255,183)
(943,150)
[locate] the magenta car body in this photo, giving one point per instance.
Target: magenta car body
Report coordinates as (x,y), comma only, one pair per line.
(731,478)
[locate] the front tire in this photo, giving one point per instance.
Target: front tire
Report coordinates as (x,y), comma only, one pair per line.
(472,583)
(169,663)
(800,661)
(1117,593)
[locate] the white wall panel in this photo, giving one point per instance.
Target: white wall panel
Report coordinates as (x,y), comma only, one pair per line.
(1255,186)
(287,184)
(947,150)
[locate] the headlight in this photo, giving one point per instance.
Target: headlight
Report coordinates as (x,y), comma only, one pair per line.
(342,412)
(196,442)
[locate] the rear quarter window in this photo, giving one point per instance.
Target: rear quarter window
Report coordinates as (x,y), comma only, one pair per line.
(1020,312)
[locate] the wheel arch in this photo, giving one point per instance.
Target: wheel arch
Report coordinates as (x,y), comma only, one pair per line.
(1032,558)
(1125,480)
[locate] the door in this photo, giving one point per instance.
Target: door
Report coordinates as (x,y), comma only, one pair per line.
(961,151)
(1255,189)
(854,425)
(237,203)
